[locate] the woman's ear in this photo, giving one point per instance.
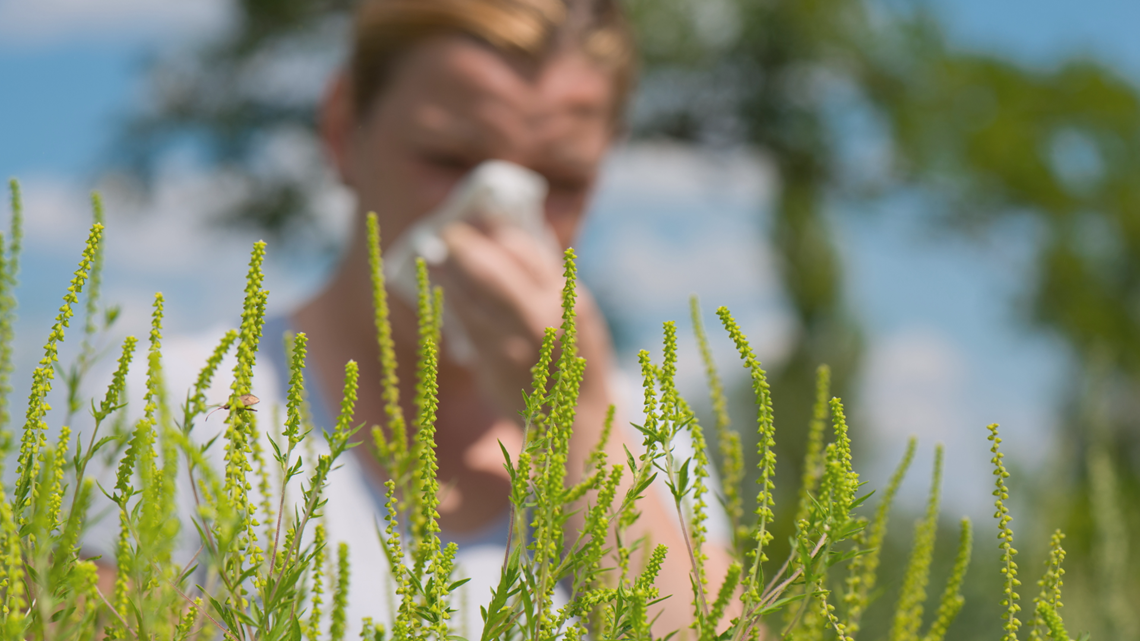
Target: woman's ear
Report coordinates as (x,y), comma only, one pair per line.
(337,120)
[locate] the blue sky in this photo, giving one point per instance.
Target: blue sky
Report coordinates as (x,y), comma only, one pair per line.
(946,354)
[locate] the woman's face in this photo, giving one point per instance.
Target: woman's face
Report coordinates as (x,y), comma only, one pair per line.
(453,103)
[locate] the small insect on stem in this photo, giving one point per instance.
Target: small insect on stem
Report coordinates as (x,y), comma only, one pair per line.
(245,403)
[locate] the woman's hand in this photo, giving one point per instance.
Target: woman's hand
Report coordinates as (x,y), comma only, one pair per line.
(505,287)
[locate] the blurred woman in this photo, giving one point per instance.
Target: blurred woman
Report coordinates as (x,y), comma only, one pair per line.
(432,89)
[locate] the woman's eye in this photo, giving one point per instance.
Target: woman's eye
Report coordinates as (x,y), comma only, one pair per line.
(448,161)
(567,185)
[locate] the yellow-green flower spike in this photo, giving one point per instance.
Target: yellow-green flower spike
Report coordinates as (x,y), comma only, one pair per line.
(679,415)
(116,391)
(952,599)
(33,438)
(839,482)
(728,440)
(437,314)
(1112,540)
(197,405)
(424,313)
(91,312)
(650,405)
(598,523)
(344,427)
(1050,585)
(865,567)
(568,380)
(652,568)
(540,372)
(187,621)
(912,597)
(766,443)
(265,508)
(726,593)
(427,526)
(442,566)
(813,459)
(394,551)
(12,600)
(569,300)
(1005,539)
(1052,621)
(56,488)
(295,397)
(390,382)
(340,595)
(238,431)
(597,460)
(9,270)
(316,595)
(827,613)
(124,567)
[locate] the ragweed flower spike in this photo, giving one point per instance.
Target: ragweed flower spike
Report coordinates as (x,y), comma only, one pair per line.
(317,592)
(295,400)
(865,567)
(9,269)
(1052,621)
(813,459)
(35,426)
(1005,538)
(912,597)
(1050,586)
(197,402)
(766,444)
(397,424)
(340,595)
(838,468)
(731,451)
(91,324)
(952,599)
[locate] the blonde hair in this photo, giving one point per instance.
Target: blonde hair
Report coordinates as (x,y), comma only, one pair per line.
(533,29)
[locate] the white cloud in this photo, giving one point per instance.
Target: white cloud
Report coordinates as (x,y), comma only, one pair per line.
(164,244)
(917,382)
(39,22)
(914,384)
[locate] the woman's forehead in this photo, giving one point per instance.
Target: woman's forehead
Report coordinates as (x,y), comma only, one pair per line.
(471,95)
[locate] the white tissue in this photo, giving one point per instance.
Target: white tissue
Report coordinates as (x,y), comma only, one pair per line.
(496,191)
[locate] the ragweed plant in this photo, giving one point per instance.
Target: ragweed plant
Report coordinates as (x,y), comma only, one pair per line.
(266,567)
